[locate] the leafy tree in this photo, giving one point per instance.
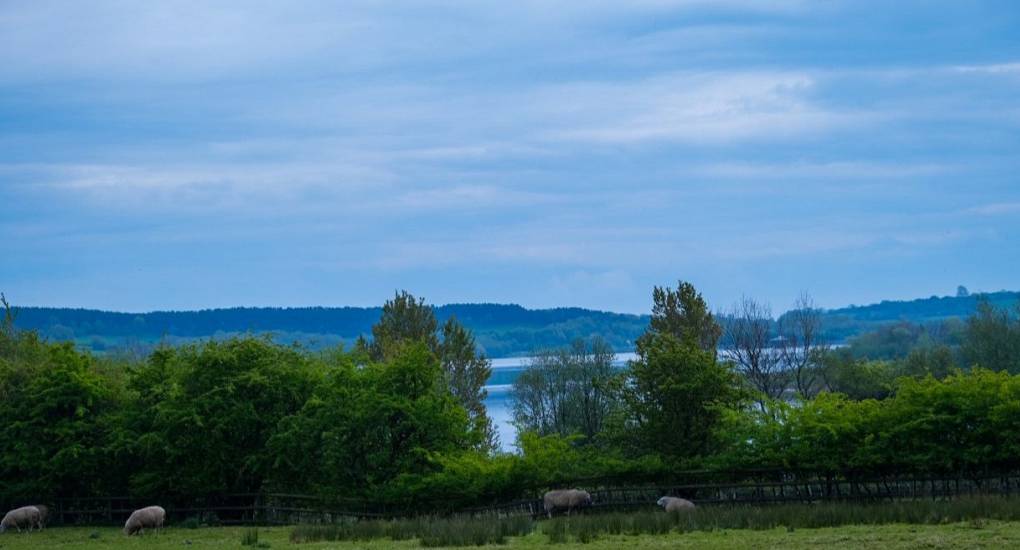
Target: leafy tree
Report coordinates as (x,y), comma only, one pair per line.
(992,339)
(937,361)
(404,319)
(205,413)
(676,395)
(54,423)
(683,314)
(466,372)
(857,378)
(366,427)
(407,319)
(566,391)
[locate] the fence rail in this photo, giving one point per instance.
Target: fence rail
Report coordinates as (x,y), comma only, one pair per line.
(764,488)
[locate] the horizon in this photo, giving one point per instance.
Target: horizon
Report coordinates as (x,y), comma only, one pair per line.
(715,311)
(188,156)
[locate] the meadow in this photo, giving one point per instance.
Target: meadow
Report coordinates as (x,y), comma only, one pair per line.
(990,534)
(972,522)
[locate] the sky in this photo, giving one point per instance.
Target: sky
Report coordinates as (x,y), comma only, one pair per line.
(200,154)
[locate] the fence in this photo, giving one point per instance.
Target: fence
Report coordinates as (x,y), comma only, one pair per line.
(766,487)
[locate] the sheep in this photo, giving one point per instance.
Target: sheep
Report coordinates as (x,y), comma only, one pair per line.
(44,515)
(151,517)
(26,515)
(674,504)
(565,498)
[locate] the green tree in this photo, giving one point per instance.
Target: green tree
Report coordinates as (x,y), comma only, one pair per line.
(567,391)
(205,413)
(466,373)
(365,427)
(857,378)
(684,314)
(676,395)
(54,423)
(992,339)
(404,319)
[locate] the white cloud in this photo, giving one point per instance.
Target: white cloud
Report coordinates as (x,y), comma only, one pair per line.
(995,209)
(707,108)
(993,69)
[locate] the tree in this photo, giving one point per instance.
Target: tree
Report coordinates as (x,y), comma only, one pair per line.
(407,320)
(205,413)
(366,427)
(566,391)
(992,339)
(54,419)
(404,319)
(858,379)
(801,344)
(750,343)
(684,314)
(466,373)
(676,394)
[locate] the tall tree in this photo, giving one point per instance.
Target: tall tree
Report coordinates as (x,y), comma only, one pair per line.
(750,343)
(801,344)
(992,339)
(683,314)
(404,319)
(566,391)
(676,393)
(466,373)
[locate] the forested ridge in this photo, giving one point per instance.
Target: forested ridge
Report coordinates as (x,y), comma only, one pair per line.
(501,330)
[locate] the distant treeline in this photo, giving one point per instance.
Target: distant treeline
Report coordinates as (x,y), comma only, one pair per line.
(500,330)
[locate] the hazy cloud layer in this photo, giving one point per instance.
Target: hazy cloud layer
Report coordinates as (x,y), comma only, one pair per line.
(202,154)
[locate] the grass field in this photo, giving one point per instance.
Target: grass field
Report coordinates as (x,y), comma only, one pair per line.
(975,534)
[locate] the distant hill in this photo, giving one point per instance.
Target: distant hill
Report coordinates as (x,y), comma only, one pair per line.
(841,324)
(501,330)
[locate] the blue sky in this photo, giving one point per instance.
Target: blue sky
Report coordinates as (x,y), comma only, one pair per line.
(204,154)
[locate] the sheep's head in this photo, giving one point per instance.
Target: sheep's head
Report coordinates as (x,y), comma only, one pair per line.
(662,501)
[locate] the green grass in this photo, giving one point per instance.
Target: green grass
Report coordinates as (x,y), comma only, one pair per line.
(971,534)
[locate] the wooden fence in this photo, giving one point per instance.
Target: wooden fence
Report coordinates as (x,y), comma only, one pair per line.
(760,488)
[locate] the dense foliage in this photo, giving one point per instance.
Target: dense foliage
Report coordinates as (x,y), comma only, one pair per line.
(396,428)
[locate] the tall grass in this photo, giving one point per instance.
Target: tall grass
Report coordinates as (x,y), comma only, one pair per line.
(452,531)
(468,531)
(584,528)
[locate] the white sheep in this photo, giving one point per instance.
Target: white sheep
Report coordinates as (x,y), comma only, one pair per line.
(151,517)
(565,498)
(27,516)
(674,504)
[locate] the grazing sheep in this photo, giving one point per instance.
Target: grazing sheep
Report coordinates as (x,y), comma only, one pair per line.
(44,515)
(27,516)
(674,504)
(565,498)
(151,517)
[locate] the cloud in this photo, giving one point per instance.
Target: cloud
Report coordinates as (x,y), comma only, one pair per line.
(708,108)
(991,69)
(995,209)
